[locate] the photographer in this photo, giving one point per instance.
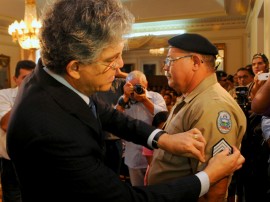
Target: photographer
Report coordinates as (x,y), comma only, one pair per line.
(240,93)
(243,100)
(141,104)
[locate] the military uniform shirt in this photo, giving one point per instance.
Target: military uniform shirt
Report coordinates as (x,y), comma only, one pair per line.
(210,107)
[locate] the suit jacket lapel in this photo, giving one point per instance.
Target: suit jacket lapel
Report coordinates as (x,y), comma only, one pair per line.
(68,100)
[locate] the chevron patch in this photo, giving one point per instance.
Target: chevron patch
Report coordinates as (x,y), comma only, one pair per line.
(220,146)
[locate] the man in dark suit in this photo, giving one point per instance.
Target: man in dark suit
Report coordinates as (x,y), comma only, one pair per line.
(55,137)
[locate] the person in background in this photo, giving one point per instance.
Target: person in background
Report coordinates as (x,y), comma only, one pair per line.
(235,79)
(245,78)
(260,64)
(230,82)
(175,95)
(253,178)
(168,100)
(141,104)
(190,69)
(158,121)
(222,78)
(261,103)
(249,67)
(10,185)
(55,134)
(162,91)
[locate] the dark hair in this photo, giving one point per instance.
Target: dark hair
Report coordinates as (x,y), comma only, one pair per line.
(249,70)
(160,117)
(24,64)
(249,66)
(168,94)
(261,55)
(230,78)
(174,93)
(220,74)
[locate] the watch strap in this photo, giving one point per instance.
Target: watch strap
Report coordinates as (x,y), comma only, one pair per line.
(155,139)
(121,102)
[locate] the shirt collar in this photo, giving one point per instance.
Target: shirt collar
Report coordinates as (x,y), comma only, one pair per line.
(15,92)
(205,84)
(148,94)
(64,82)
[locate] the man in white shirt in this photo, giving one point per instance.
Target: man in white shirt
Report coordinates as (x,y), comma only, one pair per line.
(10,186)
(142,105)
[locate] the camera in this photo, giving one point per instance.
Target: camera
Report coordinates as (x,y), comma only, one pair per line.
(242,97)
(138,89)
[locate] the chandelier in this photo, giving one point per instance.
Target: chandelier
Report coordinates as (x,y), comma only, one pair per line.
(157,51)
(26,32)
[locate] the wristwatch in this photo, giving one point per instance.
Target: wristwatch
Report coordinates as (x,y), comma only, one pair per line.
(121,102)
(155,139)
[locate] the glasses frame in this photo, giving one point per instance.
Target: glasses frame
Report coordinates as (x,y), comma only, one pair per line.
(167,61)
(112,65)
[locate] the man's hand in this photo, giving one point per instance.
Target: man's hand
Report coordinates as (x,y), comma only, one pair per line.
(140,97)
(223,164)
(128,90)
(191,142)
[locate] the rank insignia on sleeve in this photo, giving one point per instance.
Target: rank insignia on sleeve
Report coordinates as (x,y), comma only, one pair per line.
(220,146)
(224,122)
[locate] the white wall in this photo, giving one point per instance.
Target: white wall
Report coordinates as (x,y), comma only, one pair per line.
(259,28)
(235,55)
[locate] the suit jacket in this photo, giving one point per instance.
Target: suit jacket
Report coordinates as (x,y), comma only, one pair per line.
(56,145)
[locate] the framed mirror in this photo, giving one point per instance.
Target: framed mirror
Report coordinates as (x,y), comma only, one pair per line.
(221,56)
(4,71)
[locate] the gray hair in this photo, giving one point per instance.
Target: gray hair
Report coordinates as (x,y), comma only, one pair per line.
(80,30)
(210,61)
(136,74)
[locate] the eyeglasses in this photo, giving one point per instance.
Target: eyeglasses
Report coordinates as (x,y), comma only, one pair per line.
(113,65)
(168,60)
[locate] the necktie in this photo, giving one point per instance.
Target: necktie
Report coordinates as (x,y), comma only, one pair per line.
(93,107)
(175,111)
(178,107)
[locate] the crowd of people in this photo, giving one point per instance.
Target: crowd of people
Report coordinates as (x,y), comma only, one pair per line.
(63,135)
(252,181)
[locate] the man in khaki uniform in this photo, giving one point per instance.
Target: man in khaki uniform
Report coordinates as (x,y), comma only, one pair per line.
(190,69)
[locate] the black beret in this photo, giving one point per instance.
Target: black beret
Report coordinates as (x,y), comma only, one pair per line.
(193,43)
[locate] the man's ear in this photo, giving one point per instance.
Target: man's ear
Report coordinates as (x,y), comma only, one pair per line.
(73,69)
(196,61)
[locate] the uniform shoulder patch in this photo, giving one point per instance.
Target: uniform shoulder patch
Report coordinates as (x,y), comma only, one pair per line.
(224,122)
